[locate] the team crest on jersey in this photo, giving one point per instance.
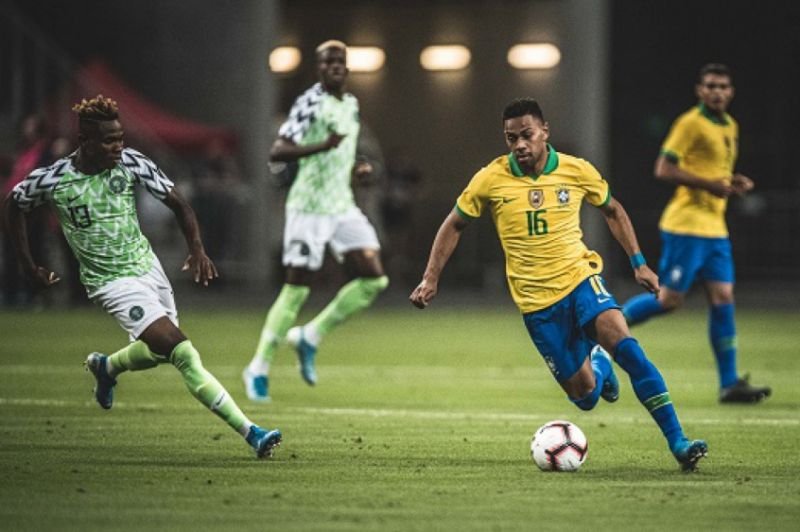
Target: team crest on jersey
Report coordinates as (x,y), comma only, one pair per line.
(563,195)
(536,198)
(136,313)
(117,184)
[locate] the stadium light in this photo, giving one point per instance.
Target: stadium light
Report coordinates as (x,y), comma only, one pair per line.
(284,59)
(365,58)
(449,57)
(529,56)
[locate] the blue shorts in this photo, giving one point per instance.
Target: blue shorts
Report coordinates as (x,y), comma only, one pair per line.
(559,331)
(686,258)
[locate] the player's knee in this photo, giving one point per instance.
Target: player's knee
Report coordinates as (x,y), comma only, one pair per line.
(185,357)
(670,301)
(587,402)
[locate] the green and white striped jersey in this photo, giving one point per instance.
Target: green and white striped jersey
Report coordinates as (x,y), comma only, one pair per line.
(322,185)
(98,213)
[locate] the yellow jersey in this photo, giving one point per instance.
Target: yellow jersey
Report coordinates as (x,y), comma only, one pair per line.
(707,146)
(538,222)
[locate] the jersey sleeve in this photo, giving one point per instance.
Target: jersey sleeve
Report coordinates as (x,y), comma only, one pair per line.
(37,188)
(301,116)
(679,139)
(147,174)
(472,201)
(598,193)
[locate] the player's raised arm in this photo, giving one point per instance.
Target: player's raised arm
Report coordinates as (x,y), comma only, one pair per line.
(443,246)
(198,263)
(621,227)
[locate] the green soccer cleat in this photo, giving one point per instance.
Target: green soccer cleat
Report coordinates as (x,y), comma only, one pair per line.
(743,392)
(689,452)
(104,388)
(264,441)
(306,353)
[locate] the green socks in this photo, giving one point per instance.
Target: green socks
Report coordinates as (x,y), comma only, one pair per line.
(280,318)
(206,388)
(356,295)
(133,357)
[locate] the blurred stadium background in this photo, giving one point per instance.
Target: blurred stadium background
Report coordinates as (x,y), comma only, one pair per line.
(198,95)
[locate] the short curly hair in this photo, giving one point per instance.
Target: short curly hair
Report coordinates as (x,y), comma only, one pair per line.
(97,109)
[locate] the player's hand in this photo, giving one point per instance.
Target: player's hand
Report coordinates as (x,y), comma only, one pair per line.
(42,277)
(201,267)
(424,293)
(647,278)
(362,170)
(333,140)
(741,184)
(721,189)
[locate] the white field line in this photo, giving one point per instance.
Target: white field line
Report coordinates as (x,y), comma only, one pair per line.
(408,414)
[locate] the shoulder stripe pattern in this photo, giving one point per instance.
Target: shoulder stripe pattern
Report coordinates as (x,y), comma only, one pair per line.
(37,188)
(147,173)
(302,114)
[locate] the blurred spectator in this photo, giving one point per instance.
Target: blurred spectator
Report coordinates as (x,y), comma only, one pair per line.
(403,178)
(216,200)
(34,150)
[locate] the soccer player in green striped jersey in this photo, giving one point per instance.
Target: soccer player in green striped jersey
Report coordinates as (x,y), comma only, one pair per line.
(93,194)
(321,134)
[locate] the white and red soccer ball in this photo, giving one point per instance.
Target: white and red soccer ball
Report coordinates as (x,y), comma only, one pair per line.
(559,446)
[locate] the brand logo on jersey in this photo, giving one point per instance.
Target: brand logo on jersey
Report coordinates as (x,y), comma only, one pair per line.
(117,184)
(536,198)
(563,195)
(136,313)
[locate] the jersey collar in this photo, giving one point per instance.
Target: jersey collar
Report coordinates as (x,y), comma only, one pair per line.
(720,120)
(549,166)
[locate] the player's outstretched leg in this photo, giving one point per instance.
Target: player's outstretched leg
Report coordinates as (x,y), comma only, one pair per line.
(135,356)
(207,389)
(280,317)
(353,297)
(104,385)
(651,390)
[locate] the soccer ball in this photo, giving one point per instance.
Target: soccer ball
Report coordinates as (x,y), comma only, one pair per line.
(559,446)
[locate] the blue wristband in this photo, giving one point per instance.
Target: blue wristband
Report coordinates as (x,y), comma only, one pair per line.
(637,259)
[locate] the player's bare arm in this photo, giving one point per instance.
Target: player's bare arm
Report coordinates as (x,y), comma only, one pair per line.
(668,171)
(741,184)
(443,246)
(284,150)
(16,229)
(621,227)
(198,263)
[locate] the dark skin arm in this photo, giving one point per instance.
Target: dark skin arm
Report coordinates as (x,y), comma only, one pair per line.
(620,225)
(198,263)
(443,246)
(671,173)
(284,150)
(16,229)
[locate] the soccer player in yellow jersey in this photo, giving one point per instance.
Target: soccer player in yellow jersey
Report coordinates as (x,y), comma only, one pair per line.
(534,195)
(699,157)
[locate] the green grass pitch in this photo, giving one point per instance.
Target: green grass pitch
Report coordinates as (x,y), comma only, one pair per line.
(420,421)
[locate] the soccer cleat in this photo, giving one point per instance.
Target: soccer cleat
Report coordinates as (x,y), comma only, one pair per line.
(306,353)
(264,441)
(689,452)
(256,386)
(104,388)
(610,391)
(744,392)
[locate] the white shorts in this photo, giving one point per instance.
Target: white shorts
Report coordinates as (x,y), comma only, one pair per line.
(136,302)
(306,236)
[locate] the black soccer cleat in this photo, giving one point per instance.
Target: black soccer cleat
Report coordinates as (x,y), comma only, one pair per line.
(744,392)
